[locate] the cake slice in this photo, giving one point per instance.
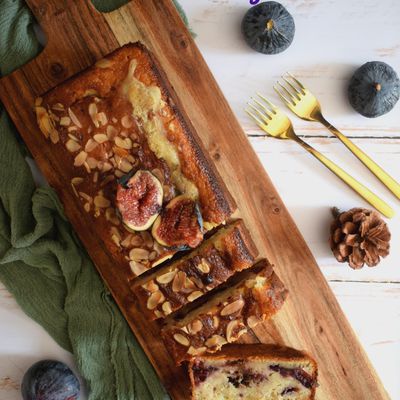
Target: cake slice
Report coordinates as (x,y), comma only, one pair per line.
(136,166)
(253,372)
(249,298)
(229,250)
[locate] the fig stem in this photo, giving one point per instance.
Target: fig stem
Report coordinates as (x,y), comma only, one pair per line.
(269,25)
(378,87)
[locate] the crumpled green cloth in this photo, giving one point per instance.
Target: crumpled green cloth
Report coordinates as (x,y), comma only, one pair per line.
(43,264)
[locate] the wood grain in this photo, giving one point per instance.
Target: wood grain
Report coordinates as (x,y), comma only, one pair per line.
(311,320)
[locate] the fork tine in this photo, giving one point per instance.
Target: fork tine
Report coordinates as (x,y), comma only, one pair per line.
(298,93)
(265,118)
(281,95)
(291,95)
(273,106)
(265,109)
(297,81)
(257,120)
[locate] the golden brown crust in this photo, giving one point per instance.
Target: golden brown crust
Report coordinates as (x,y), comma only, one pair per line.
(98,139)
(216,202)
(226,252)
(255,297)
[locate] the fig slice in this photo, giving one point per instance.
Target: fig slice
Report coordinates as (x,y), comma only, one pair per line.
(139,199)
(180,225)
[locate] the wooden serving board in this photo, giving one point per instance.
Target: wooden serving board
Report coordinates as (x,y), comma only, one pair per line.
(311,319)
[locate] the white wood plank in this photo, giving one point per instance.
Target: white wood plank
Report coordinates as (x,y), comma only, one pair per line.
(332,39)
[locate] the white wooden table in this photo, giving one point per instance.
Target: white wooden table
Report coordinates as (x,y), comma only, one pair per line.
(332,39)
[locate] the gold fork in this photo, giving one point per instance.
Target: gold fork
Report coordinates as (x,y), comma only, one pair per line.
(276,124)
(305,105)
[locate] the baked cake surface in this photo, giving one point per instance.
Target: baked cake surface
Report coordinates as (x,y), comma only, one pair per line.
(117,118)
(255,297)
(253,372)
(166,290)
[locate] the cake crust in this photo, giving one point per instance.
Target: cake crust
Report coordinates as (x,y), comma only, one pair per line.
(117,117)
(248,299)
(180,282)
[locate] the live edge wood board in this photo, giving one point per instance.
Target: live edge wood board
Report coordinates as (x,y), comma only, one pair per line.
(311,319)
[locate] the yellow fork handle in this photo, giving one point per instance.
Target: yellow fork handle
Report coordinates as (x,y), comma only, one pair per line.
(383,176)
(363,191)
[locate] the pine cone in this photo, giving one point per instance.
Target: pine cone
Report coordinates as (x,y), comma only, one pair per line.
(359,236)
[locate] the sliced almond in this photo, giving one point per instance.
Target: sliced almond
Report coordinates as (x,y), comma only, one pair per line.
(179,281)
(45,123)
(233,330)
(115,231)
(77,180)
(58,107)
(92,162)
(86,165)
(125,165)
(232,308)
(183,340)
(151,286)
(166,278)
(80,158)
(39,101)
(74,118)
(158,174)
(215,322)
(136,240)
(126,121)
(93,114)
(101,202)
(123,143)
(215,341)
(73,137)
(65,121)
(72,128)
(102,118)
(137,267)
(90,145)
(204,267)
(166,307)
(195,295)
(127,241)
(86,197)
(119,173)
(106,167)
(95,177)
(116,240)
(100,138)
(253,321)
(155,299)
(54,136)
(124,133)
(195,327)
(112,132)
(139,254)
(193,351)
(153,255)
(86,207)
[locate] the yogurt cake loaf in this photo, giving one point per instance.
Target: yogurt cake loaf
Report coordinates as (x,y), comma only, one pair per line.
(128,155)
(250,297)
(253,372)
(166,290)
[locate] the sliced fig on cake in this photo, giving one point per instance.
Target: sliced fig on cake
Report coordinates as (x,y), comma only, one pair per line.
(180,225)
(139,199)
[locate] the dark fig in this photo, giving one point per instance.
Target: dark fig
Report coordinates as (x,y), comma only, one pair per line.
(50,380)
(374,89)
(268,28)
(139,199)
(180,225)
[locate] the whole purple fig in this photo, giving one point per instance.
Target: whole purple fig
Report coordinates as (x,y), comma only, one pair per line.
(50,380)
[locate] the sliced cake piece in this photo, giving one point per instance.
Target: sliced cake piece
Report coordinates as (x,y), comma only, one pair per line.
(253,372)
(256,296)
(229,250)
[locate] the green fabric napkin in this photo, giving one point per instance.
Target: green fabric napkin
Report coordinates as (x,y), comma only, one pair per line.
(43,264)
